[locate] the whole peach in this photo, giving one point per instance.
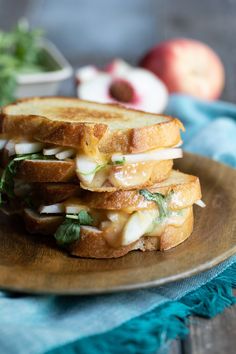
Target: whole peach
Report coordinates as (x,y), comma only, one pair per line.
(187,66)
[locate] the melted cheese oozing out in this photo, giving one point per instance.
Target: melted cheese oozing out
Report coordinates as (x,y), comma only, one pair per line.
(131,175)
(94,172)
(118,227)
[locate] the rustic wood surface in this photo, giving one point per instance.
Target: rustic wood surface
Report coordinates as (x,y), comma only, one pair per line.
(144,23)
(215,336)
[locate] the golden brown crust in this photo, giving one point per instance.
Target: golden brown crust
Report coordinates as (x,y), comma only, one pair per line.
(48,131)
(173,236)
(62,171)
(146,138)
(45,225)
(46,171)
(66,122)
(51,193)
(161,171)
(186,190)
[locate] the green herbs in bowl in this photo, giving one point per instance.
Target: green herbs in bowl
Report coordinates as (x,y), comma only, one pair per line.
(28,63)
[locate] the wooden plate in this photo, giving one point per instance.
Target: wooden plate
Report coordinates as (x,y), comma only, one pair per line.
(34,264)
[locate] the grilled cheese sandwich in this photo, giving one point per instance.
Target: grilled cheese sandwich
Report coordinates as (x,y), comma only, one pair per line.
(97,177)
(120,225)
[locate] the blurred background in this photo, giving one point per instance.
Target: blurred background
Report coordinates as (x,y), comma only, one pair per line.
(89,31)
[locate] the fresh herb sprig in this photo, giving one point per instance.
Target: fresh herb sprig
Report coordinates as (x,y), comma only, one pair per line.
(19,52)
(159,199)
(119,161)
(101,166)
(10,171)
(69,230)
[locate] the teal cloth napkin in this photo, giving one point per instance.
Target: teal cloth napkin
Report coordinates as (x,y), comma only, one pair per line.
(210,127)
(143,319)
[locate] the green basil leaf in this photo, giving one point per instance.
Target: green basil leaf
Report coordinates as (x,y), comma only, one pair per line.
(85,218)
(159,199)
(7,177)
(67,232)
(119,162)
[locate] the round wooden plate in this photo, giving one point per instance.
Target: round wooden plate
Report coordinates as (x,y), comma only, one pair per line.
(34,264)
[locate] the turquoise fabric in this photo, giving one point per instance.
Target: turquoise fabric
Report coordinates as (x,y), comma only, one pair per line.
(210,127)
(142,320)
(147,333)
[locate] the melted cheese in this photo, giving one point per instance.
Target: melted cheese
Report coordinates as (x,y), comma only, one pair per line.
(120,228)
(176,218)
(130,175)
(98,170)
(121,170)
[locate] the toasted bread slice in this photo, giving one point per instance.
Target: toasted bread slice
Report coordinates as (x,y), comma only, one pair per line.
(47,171)
(45,225)
(92,244)
(52,193)
(184,191)
(76,123)
(110,179)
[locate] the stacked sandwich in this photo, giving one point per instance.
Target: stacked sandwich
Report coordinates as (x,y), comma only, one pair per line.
(98,177)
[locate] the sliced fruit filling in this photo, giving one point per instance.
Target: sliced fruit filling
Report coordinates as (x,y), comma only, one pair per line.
(122,227)
(94,171)
(119,228)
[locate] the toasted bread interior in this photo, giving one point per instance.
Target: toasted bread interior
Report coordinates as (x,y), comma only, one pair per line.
(47,171)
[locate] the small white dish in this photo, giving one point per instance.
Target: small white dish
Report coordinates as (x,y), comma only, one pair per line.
(45,83)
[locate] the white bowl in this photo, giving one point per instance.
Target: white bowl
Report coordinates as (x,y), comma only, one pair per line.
(45,83)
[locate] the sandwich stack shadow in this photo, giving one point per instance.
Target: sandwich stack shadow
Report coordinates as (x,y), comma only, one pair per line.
(98,178)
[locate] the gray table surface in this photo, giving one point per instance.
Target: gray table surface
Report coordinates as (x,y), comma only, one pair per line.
(90,31)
